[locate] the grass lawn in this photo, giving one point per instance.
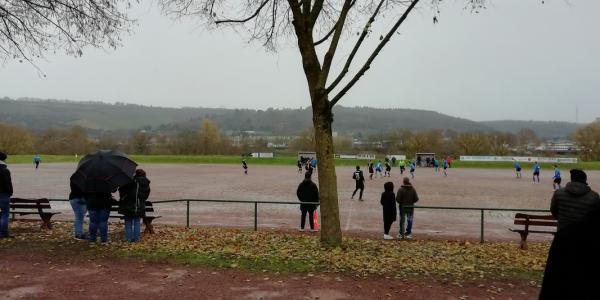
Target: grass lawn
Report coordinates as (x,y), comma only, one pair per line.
(289,160)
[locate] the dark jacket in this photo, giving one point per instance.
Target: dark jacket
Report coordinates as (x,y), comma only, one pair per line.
(573,261)
(407,195)
(133,196)
(388,201)
(75,193)
(98,201)
(573,202)
(5,180)
(308,192)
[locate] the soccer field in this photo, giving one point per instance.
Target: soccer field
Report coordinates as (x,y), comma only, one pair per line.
(492,188)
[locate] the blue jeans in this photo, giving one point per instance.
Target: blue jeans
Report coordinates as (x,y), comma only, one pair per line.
(99,222)
(4,215)
(79,210)
(132,229)
(406,217)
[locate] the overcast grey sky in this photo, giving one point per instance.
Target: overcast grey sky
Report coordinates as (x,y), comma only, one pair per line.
(516,60)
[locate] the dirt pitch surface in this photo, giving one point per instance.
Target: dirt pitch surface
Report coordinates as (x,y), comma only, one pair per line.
(463,187)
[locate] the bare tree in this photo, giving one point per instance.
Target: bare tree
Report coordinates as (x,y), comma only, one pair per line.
(31,28)
(314,24)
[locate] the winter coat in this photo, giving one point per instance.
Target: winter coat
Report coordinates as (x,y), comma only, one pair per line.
(5,180)
(573,202)
(407,195)
(98,201)
(133,196)
(308,192)
(573,261)
(389,206)
(76,192)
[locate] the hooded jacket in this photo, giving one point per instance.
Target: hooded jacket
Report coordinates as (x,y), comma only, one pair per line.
(5,180)
(308,192)
(389,204)
(133,197)
(407,195)
(571,203)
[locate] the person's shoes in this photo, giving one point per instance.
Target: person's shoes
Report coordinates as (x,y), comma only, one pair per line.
(408,237)
(79,238)
(301,229)
(314,230)
(400,236)
(7,236)
(387,237)
(104,243)
(361,199)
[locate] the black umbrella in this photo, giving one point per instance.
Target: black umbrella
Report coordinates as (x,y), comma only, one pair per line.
(103,171)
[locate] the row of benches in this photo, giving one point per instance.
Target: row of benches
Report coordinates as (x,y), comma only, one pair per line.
(42,208)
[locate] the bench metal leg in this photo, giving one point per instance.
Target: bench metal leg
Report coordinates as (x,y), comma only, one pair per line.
(46,224)
(149,229)
(524,240)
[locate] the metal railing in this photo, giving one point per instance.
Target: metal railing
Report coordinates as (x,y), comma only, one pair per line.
(255,204)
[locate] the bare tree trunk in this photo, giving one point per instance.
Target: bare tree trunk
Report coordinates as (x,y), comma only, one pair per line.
(331,233)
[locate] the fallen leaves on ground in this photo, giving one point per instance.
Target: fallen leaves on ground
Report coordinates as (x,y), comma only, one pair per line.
(245,249)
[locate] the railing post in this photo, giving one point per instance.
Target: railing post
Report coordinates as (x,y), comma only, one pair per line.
(255,216)
(481,238)
(187,214)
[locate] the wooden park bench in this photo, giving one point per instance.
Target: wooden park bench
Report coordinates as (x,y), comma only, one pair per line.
(41,207)
(533,220)
(147,219)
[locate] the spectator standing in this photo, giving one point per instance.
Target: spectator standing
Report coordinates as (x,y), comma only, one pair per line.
(388,202)
(98,205)
(573,202)
(132,204)
(79,207)
(6,191)
(406,196)
(307,192)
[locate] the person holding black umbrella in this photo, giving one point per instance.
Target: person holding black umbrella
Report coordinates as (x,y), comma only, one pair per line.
(99,175)
(132,204)
(6,191)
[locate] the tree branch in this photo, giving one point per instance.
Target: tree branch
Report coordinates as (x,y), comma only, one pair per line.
(328,59)
(359,42)
(254,15)
(375,53)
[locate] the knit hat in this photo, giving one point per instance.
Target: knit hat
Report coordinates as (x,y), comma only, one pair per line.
(578,176)
(3,156)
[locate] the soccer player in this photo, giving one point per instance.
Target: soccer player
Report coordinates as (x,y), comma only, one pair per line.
(378,169)
(245,166)
(536,172)
(388,169)
(36,160)
(359,178)
(402,164)
(556,177)
(299,164)
(371,170)
(445,167)
(436,165)
(518,169)
(412,167)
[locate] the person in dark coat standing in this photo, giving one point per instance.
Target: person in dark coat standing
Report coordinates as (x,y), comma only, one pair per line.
(307,192)
(132,204)
(573,261)
(576,200)
(388,202)
(79,209)
(98,205)
(359,178)
(406,196)
(6,191)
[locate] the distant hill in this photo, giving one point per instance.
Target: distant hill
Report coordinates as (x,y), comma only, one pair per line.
(38,115)
(549,129)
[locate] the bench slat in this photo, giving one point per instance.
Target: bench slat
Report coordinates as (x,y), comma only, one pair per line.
(536,223)
(534,217)
(30,206)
